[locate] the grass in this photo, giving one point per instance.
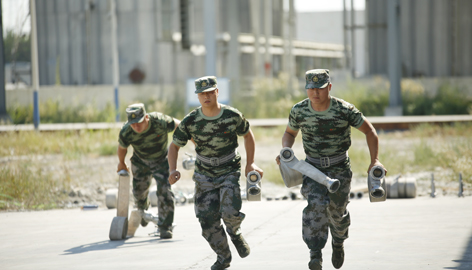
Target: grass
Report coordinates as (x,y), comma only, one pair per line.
(71,144)
(24,185)
(24,188)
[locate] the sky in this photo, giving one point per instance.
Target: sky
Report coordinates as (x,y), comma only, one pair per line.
(16,11)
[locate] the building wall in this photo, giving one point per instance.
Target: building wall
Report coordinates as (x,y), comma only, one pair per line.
(74,41)
(327,27)
(436,37)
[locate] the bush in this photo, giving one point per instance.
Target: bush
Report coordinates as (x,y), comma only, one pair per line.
(54,112)
(23,188)
(268,98)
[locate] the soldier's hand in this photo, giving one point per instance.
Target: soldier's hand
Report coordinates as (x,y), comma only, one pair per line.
(253,167)
(122,166)
(277,159)
(174,176)
(376,163)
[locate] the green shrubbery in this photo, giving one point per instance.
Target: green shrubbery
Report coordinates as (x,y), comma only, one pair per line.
(269,98)
(24,188)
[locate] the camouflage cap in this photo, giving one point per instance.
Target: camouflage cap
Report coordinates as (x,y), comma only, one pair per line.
(317,78)
(136,113)
(205,84)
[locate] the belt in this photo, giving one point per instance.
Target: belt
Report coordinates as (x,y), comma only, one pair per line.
(216,161)
(325,162)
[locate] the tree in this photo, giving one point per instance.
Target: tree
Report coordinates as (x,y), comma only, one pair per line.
(17,47)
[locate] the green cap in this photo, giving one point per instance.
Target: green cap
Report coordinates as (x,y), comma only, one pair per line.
(136,113)
(317,78)
(205,84)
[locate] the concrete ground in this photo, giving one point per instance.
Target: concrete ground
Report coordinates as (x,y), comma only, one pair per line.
(421,233)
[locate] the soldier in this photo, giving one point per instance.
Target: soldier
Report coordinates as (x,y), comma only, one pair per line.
(147,133)
(325,122)
(215,128)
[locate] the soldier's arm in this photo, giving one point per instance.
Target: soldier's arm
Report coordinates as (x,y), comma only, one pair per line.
(372,142)
(250,145)
(288,139)
(121,158)
(172,155)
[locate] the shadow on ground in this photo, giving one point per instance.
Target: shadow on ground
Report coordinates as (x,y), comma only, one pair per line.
(108,244)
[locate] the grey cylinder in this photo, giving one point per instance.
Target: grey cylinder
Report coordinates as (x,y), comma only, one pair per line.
(401,187)
(111,196)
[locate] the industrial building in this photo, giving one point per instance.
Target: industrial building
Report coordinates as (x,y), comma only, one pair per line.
(166,42)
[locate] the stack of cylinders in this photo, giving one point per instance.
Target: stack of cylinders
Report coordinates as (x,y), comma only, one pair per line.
(401,187)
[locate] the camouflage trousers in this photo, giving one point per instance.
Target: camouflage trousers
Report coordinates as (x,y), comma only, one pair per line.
(326,210)
(218,198)
(143,171)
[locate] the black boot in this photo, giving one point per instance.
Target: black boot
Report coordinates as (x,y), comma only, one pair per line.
(316,260)
(241,245)
(338,254)
(221,264)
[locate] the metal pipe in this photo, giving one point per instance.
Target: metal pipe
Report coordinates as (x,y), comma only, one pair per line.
(210,37)
(461,186)
(394,58)
(345,37)
(353,40)
(433,187)
(115,64)
(268,34)
(34,64)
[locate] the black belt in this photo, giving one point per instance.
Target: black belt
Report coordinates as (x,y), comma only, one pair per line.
(325,162)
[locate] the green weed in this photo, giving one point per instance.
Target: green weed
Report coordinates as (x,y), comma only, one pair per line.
(24,188)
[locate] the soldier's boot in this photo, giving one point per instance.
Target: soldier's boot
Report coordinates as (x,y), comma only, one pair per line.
(241,245)
(316,260)
(221,263)
(337,257)
(165,233)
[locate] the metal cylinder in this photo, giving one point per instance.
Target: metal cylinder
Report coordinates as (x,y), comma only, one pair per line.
(253,186)
(376,184)
(189,163)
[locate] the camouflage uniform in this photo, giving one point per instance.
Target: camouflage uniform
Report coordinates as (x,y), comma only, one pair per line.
(326,134)
(150,160)
(217,190)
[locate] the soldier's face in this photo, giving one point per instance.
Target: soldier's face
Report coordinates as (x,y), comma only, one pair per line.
(319,95)
(140,127)
(208,99)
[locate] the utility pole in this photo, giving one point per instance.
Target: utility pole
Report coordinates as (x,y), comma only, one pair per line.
(268,35)
(234,54)
(353,40)
(291,60)
(394,58)
(114,55)
(4,117)
(255,18)
(210,37)
(34,64)
(345,37)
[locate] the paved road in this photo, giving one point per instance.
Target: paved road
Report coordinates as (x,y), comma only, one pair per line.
(421,233)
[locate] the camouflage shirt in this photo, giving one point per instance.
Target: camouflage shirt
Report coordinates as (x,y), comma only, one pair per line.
(326,133)
(151,144)
(214,137)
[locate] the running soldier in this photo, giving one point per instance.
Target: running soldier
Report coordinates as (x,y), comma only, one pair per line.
(215,128)
(147,133)
(325,122)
